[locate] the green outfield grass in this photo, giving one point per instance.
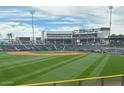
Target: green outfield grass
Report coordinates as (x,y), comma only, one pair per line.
(19,69)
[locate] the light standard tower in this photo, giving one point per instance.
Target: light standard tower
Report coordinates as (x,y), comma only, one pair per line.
(32,17)
(110,23)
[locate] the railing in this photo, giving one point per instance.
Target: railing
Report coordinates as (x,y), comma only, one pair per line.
(101,78)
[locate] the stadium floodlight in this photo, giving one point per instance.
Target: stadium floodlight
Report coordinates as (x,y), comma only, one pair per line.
(32,18)
(78,41)
(110,23)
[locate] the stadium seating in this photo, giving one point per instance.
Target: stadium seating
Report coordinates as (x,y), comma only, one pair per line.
(111,48)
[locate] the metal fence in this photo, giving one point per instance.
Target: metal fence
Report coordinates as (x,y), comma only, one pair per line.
(112,80)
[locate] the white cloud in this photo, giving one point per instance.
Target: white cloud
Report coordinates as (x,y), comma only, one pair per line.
(65,28)
(65,23)
(18,29)
(90,17)
(67,10)
(117,29)
(78,14)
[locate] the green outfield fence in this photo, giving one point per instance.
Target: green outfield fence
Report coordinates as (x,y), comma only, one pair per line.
(79,82)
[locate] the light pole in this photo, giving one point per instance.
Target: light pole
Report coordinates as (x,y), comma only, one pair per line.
(110,22)
(32,18)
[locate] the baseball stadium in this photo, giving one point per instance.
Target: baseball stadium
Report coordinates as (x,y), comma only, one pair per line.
(81,57)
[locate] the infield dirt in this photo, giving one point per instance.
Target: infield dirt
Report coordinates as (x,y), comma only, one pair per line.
(45,54)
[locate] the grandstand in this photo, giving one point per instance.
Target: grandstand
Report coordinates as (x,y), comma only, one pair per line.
(95,40)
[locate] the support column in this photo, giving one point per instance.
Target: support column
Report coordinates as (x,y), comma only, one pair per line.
(79,83)
(122,83)
(102,82)
(54,84)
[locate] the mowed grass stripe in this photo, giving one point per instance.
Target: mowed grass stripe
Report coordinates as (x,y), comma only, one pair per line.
(24,68)
(89,70)
(17,58)
(16,66)
(24,72)
(3,55)
(35,73)
(68,71)
(48,69)
(115,65)
(19,61)
(17,70)
(97,71)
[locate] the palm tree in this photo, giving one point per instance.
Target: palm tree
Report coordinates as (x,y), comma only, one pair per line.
(0,35)
(10,36)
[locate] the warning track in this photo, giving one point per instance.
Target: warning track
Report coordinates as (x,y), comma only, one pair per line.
(45,54)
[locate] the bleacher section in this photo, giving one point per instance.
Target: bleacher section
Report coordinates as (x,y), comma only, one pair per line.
(22,47)
(62,47)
